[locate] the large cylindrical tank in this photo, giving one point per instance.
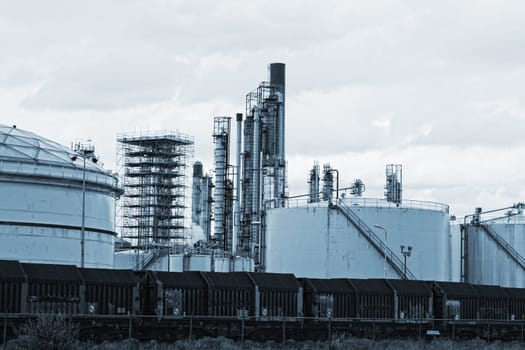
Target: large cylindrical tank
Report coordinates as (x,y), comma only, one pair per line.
(199,262)
(41,213)
(490,263)
(314,240)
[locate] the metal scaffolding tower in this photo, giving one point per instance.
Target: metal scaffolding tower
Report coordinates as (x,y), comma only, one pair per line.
(153,170)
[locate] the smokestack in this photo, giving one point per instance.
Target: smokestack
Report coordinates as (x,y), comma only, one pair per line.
(277,74)
(197,169)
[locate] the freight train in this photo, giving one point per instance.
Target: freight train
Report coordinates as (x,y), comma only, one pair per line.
(111,304)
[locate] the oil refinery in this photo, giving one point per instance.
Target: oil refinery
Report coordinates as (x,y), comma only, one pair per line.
(165,211)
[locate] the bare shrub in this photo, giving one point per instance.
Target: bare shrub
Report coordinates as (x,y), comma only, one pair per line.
(47,332)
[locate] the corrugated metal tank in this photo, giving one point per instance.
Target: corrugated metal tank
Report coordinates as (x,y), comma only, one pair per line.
(313,240)
(41,203)
(488,262)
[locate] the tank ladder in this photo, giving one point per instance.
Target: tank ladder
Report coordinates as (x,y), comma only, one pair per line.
(376,242)
(503,244)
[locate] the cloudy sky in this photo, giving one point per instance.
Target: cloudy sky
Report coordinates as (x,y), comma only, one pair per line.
(438,86)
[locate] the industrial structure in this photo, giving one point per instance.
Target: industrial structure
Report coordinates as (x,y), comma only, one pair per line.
(223,195)
(347,235)
(202,200)
(57,204)
(242,192)
(263,179)
(493,246)
(153,170)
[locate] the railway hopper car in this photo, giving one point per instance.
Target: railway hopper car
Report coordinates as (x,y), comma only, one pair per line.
(13,287)
(259,306)
(174,294)
(375,299)
(277,296)
(230,294)
(413,300)
(110,292)
(455,301)
(516,302)
(329,298)
(493,303)
(53,288)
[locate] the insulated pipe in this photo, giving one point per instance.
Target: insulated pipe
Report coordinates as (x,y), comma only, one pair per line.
(237,214)
(196,193)
(256,174)
(277,78)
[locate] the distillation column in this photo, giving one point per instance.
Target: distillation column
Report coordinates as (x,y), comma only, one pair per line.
(264,162)
(222,210)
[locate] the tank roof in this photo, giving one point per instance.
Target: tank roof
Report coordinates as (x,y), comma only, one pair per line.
(28,155)
(26,147)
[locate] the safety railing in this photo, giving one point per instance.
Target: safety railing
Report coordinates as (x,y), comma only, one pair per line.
(371,203)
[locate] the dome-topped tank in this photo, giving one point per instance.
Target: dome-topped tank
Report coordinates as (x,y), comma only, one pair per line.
(42,215)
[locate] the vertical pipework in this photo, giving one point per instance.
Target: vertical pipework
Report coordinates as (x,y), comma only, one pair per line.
(237,215)
(256,178)
(314,183)
(277,80)
(247,186)
(196,201)
(221,139)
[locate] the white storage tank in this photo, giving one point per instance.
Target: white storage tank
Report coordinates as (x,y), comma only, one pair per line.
(318,241)
(199,263)
(141,260)
(243,264)
(221,264)
(41,213)
(495,263)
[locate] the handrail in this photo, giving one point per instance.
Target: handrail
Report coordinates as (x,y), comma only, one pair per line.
(303,201)
(155,255)
(396,263)
(505,245)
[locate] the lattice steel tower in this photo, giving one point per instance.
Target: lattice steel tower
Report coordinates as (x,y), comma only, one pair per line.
(153,170)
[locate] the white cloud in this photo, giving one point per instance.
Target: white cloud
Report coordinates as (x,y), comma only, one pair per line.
(437,86)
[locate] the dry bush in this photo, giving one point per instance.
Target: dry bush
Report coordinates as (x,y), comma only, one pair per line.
(47,332)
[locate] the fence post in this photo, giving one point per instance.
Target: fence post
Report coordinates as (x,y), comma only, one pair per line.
(521,338)
(242,329)
(191,327)
(130,327)
(284,332)
(5,330)
(373,329)
(329,333)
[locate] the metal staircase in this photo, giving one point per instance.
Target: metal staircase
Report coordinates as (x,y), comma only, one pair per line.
(150,260)
(503,244)
(380,246)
